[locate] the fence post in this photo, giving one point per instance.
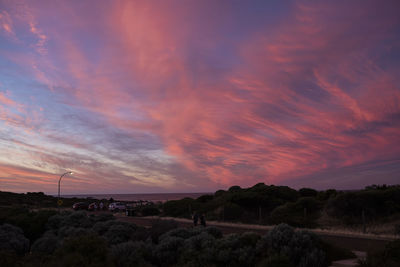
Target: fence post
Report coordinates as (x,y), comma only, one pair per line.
(363,221)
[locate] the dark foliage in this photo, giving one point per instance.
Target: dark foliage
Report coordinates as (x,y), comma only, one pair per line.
(160,227)
(86,250)
(132,254)
(179,208)
(388,257)
(12,239)
(302,248)
(150,211)
(302,213)
(308,192)
(33,223)
(376,202)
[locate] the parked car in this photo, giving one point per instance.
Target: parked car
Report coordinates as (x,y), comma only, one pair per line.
(80,206)
(117,206)
(93,206)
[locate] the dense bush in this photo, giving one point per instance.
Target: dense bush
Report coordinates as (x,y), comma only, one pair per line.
(235,204)
(12,239)
(132,254)
(167,250)
(303,213)
(86,250)
(308,192)
(120,233)
(198,250)
(116,243)
(47,244)
(71,219)
(179,208)
(231,251)
(375,202)
(33,223)
(116,232)
(150,211)
(160,227)
(232,212)
(302,248)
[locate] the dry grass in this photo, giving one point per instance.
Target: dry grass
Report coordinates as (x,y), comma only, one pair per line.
(378,228)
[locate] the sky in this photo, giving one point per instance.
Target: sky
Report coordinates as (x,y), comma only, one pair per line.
(196,96)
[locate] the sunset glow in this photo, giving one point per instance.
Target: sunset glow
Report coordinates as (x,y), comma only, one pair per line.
(195,96)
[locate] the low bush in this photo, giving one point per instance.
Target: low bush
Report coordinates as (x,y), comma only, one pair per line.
(302,248)
(47,244)
(302,213)
(132,254)
(33,223)
(87,250)
(12,239)
(160,227)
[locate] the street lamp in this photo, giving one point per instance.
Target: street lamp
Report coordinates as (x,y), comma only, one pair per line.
(59,181)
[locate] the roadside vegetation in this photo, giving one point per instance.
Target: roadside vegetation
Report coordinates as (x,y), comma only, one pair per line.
(375,209)
(33,233)
(79,238)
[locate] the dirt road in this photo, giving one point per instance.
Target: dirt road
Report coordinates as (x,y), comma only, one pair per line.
(357,242)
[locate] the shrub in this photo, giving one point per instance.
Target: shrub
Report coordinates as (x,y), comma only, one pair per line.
(160,227)
(70,219)
(376,203)
(167,251)
(303,213)
(198,250)
(205,198)
(132,254)
(179,232)
(12,239)
(33,223)
(276,261)
(249,239)
(234,189)
(102,217)
(302,247)
(214,231)
(150,211)
(235,250)
(120,233)
(67,231)
(232,212)
(47,244)
(89,250)
(78,219)
(308,192)
(179,208)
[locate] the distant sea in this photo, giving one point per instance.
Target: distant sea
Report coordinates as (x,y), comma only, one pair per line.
(162,197)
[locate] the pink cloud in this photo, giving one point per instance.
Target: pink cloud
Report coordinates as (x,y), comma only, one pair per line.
(310,94)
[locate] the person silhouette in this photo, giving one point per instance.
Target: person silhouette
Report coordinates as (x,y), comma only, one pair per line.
(195,218)
(203,220)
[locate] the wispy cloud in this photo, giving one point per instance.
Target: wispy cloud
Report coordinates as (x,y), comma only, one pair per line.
(205,94)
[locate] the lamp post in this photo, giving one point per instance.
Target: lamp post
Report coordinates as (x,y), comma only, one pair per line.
(59,181)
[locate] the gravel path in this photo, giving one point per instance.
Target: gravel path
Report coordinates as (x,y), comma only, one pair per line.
(354,242)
